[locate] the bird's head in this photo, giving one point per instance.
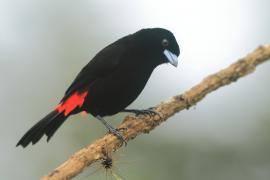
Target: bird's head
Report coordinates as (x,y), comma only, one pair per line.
(159,44)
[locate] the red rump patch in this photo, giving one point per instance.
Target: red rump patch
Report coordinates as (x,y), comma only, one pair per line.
(74,101)
(84,113)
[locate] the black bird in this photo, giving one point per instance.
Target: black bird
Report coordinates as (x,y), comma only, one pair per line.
(111,81)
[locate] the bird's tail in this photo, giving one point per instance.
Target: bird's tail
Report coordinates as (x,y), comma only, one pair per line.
(48,125)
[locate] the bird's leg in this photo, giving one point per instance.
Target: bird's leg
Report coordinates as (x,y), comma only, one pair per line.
(137,112)
(112,129)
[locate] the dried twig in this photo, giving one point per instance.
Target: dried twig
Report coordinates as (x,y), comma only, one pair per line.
(133,126)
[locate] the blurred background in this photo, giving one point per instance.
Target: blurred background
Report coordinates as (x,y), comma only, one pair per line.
(44,44)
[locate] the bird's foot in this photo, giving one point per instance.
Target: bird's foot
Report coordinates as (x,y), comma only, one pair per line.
(118,134)
(112,130)
(145,112)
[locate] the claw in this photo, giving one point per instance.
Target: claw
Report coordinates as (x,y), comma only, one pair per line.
(148,112)
(113,130)
(118,135)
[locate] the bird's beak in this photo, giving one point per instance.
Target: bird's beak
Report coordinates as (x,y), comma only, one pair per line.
(172,58)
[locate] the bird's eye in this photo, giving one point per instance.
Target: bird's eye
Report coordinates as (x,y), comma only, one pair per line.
(165,42)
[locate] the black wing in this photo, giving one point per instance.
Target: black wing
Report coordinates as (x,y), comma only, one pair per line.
(103,64)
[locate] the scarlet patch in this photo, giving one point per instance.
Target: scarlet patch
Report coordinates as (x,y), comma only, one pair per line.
(74,101)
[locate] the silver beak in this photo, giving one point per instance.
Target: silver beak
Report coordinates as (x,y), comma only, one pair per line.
(172,58)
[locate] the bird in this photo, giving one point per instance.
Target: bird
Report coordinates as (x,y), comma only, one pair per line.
(111,81)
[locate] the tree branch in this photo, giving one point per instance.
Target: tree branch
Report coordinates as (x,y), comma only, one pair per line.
(133,126)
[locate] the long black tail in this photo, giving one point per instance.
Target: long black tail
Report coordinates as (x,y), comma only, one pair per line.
(48,125)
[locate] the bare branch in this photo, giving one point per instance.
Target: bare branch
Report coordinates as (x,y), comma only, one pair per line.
(133,126)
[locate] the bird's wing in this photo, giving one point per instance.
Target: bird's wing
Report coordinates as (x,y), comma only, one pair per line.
(102,65)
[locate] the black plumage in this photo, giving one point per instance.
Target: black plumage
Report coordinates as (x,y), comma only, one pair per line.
(111,81)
